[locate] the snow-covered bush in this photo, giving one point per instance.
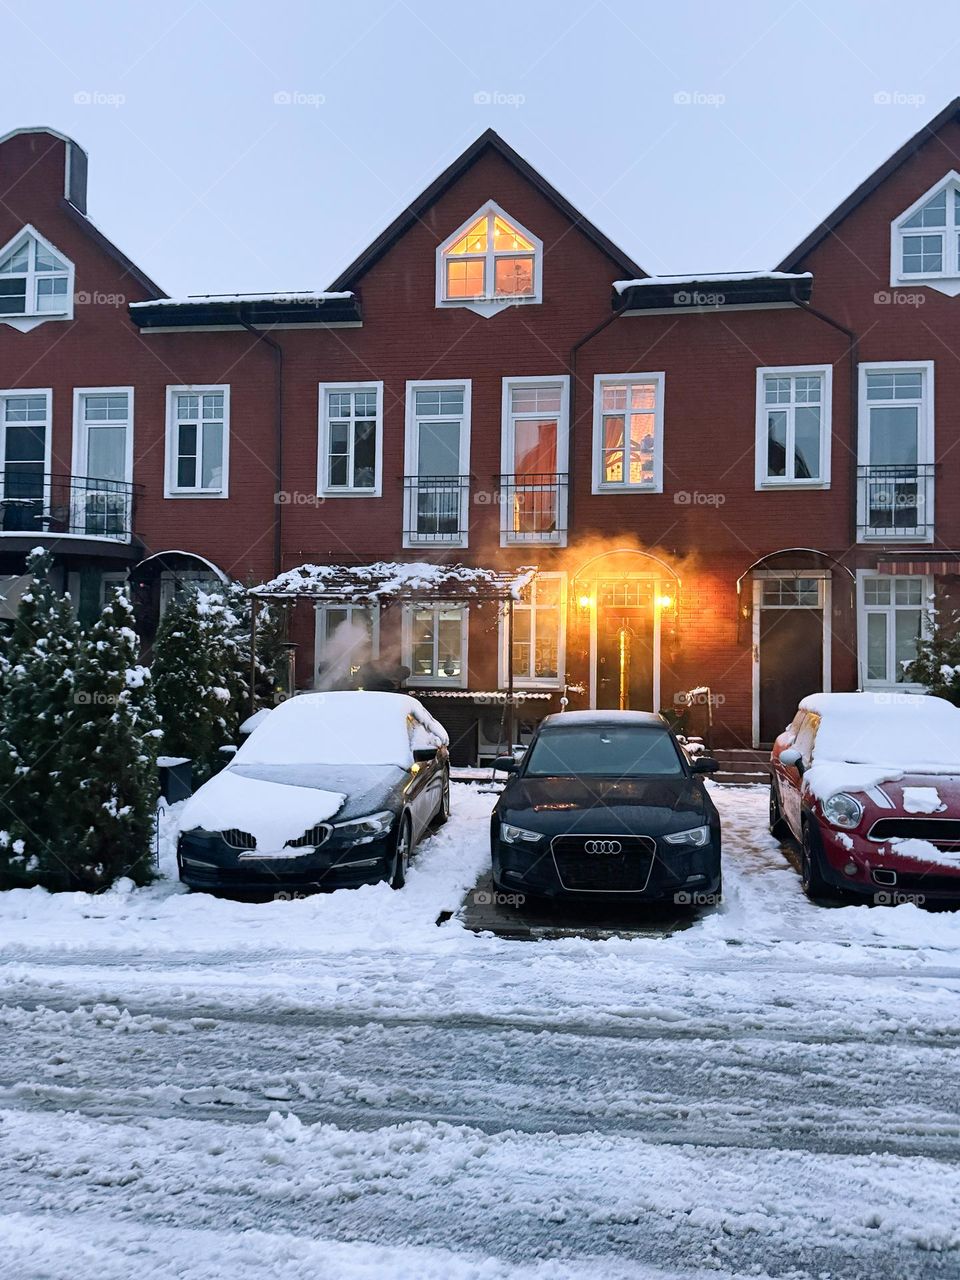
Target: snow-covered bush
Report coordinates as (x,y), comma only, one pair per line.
(937,664)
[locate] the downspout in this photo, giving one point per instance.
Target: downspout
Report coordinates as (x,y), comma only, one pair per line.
(853,343)
(278,456)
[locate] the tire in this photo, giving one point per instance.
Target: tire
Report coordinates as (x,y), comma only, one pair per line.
(811,876)
(401,857)
(778,824)
(443,813)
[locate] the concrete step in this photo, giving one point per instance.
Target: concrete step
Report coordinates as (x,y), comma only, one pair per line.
(740,779)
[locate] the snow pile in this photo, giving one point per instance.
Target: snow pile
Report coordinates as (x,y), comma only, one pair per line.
(271,812)
(868,738)
(343,727)
(924,851)
(922,800)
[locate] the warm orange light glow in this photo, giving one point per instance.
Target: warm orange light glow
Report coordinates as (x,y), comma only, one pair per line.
(584,602)
(664,602)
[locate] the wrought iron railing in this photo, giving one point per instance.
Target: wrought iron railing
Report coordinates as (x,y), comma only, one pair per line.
(534,507)
(895,500)
(436,508)
(38,502)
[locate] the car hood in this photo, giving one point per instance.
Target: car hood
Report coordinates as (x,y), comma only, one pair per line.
(651,806)
(365,788)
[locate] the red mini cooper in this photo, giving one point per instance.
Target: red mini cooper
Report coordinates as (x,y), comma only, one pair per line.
(869,785)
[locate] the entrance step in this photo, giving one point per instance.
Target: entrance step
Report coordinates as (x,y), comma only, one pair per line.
(741,766)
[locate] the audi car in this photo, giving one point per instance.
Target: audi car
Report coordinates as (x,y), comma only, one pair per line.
(606,803)
(330,791)
(868,785)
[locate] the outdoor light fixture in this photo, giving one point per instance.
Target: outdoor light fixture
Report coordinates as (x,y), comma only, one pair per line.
(664,602)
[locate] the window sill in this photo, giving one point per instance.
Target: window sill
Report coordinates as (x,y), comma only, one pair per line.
(430,682)
(948,284)
(195,493)
(792,484)
(627,488)
(349,493)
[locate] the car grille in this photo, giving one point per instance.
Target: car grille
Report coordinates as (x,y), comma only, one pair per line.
(604,864)
(943,832)
(315,836)
(237,839)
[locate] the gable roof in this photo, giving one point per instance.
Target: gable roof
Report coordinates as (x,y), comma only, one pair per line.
(856,198)
(490,140)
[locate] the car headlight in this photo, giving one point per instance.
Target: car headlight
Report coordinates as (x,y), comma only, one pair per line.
(360,830)
(518,835)
(842,810)
(697,837)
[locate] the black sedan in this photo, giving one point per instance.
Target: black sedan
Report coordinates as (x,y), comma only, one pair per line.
(606,802)
(332,791)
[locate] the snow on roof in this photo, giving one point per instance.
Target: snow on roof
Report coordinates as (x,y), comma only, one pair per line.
(731,277)
(888,734)
(414,579)
(344,727)
(215,299)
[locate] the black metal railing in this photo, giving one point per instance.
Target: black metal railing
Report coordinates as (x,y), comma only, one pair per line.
(895,500)
(33,501)
(436,508)
(534,507)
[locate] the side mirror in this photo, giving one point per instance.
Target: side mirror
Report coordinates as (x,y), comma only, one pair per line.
(704,764)
(506,764)
(792,758)
(423,755)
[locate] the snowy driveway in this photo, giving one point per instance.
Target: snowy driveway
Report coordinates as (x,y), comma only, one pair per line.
(337,1087)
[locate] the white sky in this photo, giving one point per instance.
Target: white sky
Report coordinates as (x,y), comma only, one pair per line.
(213,186)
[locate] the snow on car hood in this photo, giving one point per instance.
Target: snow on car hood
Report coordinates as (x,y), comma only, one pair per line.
(273,812)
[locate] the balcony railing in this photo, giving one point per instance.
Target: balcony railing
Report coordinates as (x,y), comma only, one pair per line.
(534,507)
(895,501)
(436,508)
(33,502)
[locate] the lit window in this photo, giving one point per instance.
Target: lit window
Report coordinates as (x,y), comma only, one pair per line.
(197,441)
(926,240)
(533,494)
(628,418)
(489,262)
(36,281)
(435,644)
(350,428)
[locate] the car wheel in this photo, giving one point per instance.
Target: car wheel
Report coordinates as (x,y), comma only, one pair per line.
(401,858)
(811,877)
(443,813)
(778,825)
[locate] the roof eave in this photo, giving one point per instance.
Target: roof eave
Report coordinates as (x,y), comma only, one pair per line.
(259,314)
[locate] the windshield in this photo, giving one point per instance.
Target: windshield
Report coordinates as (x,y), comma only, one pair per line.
(603,751)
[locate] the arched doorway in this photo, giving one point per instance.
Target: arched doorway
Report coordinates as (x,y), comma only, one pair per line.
(624,597)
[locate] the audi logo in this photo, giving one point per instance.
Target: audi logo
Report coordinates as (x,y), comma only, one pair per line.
(603,846)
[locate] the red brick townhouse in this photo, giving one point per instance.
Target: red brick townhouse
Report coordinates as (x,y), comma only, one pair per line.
(738,483)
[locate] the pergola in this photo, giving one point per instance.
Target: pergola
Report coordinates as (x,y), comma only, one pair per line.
(398,582)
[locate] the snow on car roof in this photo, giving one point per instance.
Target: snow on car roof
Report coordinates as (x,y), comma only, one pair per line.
(912,733)
(563,718)
(343,727)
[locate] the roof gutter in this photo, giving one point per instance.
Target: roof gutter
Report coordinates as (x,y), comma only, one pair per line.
(278,440)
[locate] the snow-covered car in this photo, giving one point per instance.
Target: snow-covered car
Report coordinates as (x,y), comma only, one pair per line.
(606,803)
(330,791)
(869,785)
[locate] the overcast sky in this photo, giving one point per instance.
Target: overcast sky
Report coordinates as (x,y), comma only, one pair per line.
(249,146)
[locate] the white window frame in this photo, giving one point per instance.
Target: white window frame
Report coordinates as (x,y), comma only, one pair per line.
(863,609)
(78,462)
(536,682)
(508,455)
(411,460)
(947,280)
(925,442)
(171,578)
(110,582)
(325,490)
(490,303)
(171,489)
(29,319)
(13,393)
(599,484)
(406,643)
(823,371)
(350,607)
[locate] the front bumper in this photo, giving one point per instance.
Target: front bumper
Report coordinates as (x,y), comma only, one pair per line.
(669,873)
(209,863)
(872,870)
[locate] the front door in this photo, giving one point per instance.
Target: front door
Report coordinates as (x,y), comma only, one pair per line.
(790,650)
(625,645)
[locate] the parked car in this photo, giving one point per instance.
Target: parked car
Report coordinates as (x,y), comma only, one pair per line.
(869,785)
(330,791)
(606,802)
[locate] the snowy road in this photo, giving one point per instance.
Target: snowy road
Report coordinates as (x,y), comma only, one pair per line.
(338,1087)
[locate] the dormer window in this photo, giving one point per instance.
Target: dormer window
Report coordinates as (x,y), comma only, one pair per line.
(926,240)
(36,282)
(489,263)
